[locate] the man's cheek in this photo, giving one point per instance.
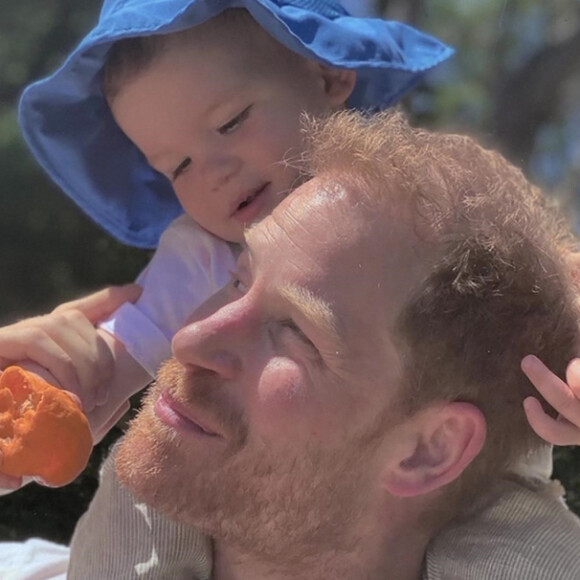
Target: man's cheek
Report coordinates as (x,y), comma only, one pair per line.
(285,397)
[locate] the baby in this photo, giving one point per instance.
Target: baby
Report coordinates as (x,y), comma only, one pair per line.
(201,119)
(192,107)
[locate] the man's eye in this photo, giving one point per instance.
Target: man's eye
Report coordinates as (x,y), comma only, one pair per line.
(181,168)
(237,284)
(296,330)
(233,124)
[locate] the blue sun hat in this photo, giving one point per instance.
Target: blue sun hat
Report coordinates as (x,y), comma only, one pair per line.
(69,127)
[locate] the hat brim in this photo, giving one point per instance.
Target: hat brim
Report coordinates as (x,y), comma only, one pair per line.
(69,127)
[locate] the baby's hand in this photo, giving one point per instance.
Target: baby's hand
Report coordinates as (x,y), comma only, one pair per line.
(564,397)
(8,483)
(66,344)
(44,433)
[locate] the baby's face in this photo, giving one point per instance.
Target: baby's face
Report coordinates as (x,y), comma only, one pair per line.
(219,121)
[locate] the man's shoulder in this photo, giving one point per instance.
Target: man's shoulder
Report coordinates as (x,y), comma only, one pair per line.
(522,533)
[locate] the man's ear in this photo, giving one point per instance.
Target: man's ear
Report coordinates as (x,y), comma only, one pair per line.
(338,84)
(436,446)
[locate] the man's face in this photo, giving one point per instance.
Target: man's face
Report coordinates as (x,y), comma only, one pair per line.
(275,417)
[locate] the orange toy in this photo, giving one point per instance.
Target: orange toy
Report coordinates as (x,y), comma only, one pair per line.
(43,431)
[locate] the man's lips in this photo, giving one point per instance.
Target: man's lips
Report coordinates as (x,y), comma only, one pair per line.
(174,414)
(249,206)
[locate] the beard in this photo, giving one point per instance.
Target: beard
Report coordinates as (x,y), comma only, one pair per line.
(286,505)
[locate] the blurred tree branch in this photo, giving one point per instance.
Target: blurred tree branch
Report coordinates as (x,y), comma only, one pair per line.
(58,37)
(410,11)
(526,98)
(36,46)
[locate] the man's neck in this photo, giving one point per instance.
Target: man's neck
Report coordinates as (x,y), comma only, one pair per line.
(399,559)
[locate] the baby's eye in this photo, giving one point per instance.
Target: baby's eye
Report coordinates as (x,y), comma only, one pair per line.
(234,123)
(181,168)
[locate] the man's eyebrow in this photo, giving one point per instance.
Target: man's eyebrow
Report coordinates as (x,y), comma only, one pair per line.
(249,232)
(314,308)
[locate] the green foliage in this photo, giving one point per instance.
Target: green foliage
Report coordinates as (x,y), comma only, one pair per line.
(50,252)
(567,470)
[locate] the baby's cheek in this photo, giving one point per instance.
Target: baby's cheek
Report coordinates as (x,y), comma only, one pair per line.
(280,137)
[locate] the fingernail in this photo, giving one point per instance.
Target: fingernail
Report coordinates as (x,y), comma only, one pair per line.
(529,361)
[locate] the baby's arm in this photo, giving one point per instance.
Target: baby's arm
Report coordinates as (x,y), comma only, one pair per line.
(64,345)
(563,396)
(188,266)
(127,378)
(64,348)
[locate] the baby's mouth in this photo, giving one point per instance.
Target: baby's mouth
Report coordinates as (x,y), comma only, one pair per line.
(246,202)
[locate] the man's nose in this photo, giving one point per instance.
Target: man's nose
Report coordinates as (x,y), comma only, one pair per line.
(216,341)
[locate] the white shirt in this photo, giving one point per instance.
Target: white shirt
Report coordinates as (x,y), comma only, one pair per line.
(189,266)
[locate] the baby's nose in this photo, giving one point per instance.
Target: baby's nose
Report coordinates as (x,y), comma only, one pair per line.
(219,169)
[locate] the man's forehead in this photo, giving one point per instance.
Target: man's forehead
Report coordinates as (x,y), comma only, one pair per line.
(305,199)
(317,195)
(330,253)
(315,222)
(331,209)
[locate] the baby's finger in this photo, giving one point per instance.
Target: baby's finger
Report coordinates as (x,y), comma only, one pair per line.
(38,370)
(104,353)
(75,398)
(34,344)
(553,389)
(103,303)
(94,363)
(555,431)
(8,483)
(573,377)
